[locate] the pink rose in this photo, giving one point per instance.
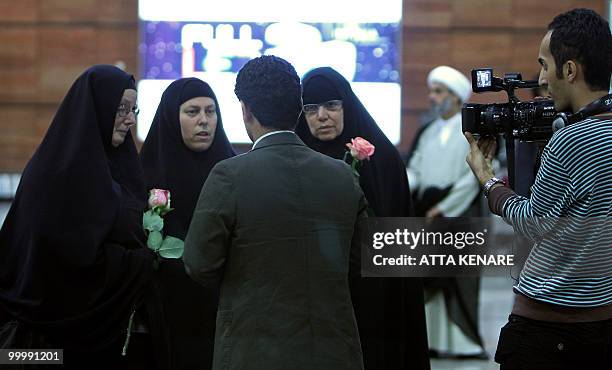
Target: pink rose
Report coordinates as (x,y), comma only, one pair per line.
(360,148)
(159,198)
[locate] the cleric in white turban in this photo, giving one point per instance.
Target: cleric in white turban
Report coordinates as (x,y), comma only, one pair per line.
(443,186)
(454,80)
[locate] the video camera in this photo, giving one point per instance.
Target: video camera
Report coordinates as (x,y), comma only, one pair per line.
(527,121)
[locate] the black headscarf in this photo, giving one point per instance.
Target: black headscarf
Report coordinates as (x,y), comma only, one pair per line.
(389,311)
(383,178)
(169,164)
(72,258)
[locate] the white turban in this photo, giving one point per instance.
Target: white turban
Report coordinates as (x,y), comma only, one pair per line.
(454,80)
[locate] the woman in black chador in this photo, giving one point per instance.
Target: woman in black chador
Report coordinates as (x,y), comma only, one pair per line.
(389,311)
(184,143)
(73,261)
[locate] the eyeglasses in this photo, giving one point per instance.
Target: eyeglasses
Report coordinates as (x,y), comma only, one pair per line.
(331,105)
(123,111)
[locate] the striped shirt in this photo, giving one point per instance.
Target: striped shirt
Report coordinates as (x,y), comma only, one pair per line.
(567,218)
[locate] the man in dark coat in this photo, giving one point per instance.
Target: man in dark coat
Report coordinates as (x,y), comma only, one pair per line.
(276,225)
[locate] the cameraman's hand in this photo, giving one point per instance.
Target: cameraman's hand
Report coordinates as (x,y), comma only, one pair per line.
(480,157)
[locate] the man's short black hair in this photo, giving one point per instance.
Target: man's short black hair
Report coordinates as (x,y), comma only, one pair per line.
(271,89)
(584,36)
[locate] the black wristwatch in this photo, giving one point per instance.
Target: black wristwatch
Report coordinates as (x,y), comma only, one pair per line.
(489,184)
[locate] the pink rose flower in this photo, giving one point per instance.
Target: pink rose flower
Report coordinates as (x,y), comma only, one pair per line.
(159,198)
(360,148)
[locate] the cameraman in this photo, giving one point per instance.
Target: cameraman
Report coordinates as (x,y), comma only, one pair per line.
(562,316)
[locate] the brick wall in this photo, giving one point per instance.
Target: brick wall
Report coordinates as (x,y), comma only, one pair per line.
(46,44)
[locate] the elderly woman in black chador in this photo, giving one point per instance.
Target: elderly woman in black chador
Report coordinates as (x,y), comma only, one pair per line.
(74,265)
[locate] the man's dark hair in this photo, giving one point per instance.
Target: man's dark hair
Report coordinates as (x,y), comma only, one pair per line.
(271,89)
(584,36)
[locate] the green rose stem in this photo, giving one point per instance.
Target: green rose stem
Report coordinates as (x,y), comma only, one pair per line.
(129,332)
(355,165)
(168,247)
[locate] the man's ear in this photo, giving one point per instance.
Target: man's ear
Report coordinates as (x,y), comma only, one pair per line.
(570,70)
(247,115)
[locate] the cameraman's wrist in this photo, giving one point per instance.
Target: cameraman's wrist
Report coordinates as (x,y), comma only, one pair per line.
(486,176)
(495,186)
(492,183)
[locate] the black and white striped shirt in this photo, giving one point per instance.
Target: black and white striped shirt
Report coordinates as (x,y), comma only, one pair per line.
(567,218)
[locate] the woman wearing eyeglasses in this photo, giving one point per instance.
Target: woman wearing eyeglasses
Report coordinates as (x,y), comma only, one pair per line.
(184,143)
(74,266)
(389,311)
(126,117)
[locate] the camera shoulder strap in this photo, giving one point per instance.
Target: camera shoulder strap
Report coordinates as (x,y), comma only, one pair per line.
(601,105)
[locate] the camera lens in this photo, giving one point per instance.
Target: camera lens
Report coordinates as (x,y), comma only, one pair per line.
(495,118)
